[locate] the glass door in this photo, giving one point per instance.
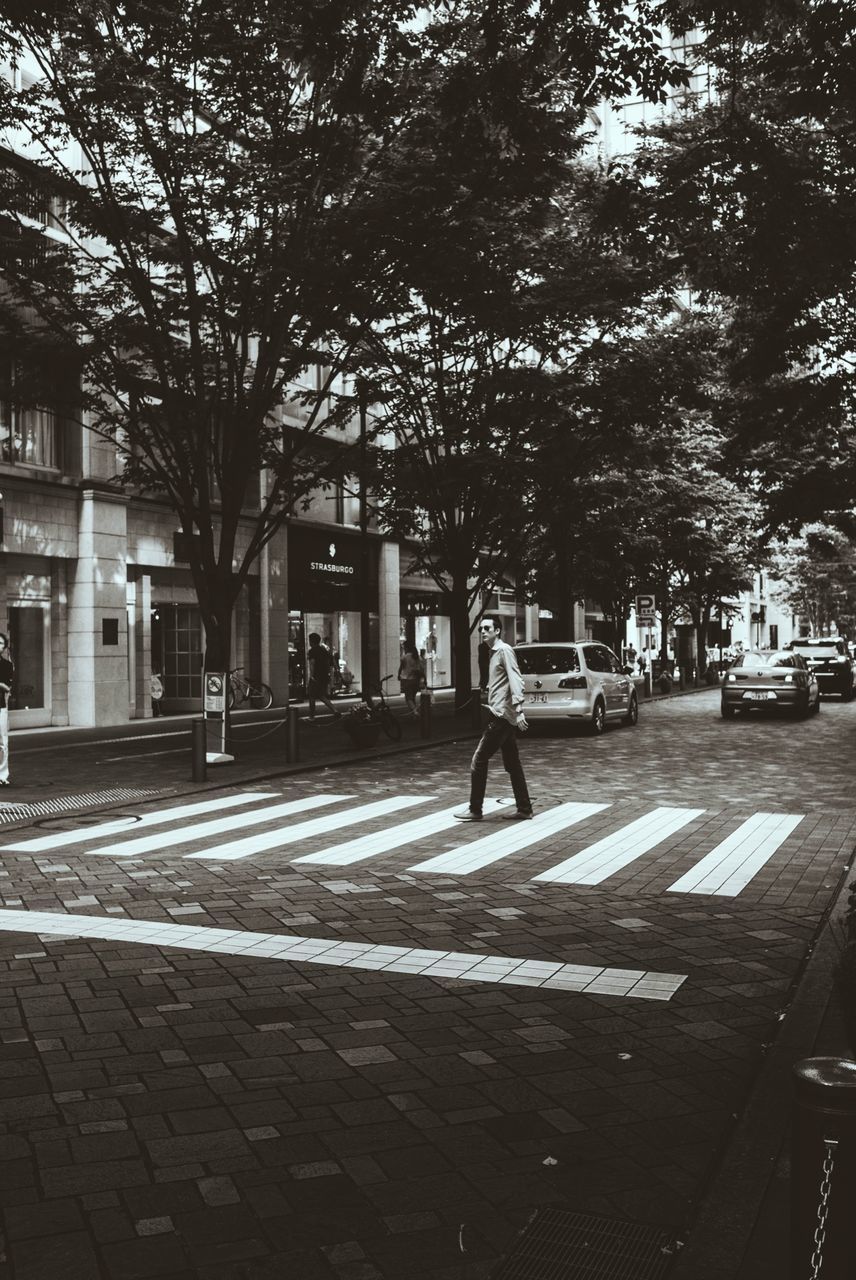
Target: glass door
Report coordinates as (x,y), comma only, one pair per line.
(29,641)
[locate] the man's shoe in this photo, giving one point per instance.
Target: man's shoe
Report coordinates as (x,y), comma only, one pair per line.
(467,815)
(517,815)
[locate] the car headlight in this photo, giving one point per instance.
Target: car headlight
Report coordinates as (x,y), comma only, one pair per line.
(789,679)
(732,679)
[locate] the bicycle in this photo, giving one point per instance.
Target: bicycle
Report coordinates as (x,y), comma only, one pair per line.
(241,690)
(378,711)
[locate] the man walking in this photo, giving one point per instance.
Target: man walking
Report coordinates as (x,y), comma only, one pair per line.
(505,716)
(318,685)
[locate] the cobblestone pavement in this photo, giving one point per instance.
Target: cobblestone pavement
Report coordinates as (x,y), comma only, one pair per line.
(190,1104)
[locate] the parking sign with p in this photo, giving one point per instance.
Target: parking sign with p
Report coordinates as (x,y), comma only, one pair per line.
(646,608)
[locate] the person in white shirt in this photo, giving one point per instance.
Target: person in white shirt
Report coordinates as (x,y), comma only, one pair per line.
(505,717)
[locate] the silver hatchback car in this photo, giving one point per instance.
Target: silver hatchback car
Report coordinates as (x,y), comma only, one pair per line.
(582,681)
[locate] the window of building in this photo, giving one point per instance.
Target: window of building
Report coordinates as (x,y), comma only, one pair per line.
(27,434)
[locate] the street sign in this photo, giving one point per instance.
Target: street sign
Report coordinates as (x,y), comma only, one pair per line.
(646,608)
(215,692)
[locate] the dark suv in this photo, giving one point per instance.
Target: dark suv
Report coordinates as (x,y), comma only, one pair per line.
(830,661)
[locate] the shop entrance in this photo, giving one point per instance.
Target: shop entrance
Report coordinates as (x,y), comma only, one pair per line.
(177,653)
(29,642)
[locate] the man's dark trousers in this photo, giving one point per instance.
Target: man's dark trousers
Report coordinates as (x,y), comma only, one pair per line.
(498,735)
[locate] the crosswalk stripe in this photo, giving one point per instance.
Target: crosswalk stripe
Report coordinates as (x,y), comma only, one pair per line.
(60,838)
(481,853)
(343,855)
(732,864)
(606,856)
(53,927)
(204,830)
(305,830)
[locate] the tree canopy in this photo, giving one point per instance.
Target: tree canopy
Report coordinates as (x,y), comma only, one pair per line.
(204,170)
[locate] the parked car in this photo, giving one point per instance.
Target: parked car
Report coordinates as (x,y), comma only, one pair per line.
(777,679)
(576,681)
(831,661)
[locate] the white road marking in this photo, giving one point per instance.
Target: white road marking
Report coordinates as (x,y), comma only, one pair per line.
(342,855)
(457,965)
(603,859)
(728,868)
(203,830)
(499,844)
(60,838)
(306,830)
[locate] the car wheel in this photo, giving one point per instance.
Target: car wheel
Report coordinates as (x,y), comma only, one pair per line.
(847,693)
(632,711)
(597,724)
(727,711)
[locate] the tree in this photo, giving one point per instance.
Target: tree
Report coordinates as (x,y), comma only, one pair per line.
(485,377)
(656,509)
(817,572)
(754,193)
(203,164)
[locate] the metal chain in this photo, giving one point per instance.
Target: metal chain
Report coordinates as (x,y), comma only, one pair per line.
(823,1207)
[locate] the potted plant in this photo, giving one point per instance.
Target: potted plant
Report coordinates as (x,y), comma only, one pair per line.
(361,726)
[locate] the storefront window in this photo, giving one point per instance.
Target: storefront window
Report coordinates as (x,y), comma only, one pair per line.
(340,632)
(433,640)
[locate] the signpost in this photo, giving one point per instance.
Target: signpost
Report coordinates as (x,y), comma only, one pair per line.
(646,614)
(646,609)
(214,706)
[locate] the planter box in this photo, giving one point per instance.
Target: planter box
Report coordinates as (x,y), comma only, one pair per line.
(362,734)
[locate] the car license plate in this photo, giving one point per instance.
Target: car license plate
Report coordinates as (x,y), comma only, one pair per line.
(759,697)
(537,697)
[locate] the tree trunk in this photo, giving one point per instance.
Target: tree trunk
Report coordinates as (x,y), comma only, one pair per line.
(461,643)
(565,603)
(665,618)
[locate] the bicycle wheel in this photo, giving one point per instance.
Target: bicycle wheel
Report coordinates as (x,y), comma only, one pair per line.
(230,698)
(260,697)
(390,724)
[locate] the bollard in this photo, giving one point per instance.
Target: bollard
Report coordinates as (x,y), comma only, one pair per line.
(823,1170)
(425,714)
(646,686)
(199,749)
(292,736)
(682,677)
(475,708)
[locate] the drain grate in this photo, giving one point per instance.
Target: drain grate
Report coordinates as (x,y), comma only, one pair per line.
(557,1245)
(41,808)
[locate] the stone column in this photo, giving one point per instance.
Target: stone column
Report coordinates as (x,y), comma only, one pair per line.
(97,612)
(59,641)
(143,646)
(273,605)
(389,608)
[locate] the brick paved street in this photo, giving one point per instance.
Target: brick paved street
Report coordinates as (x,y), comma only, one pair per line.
(192,1105)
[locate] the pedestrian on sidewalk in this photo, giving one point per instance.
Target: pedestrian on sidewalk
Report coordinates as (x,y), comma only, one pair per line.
(411,674)
(505,717)
(320,662)
(7,675)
